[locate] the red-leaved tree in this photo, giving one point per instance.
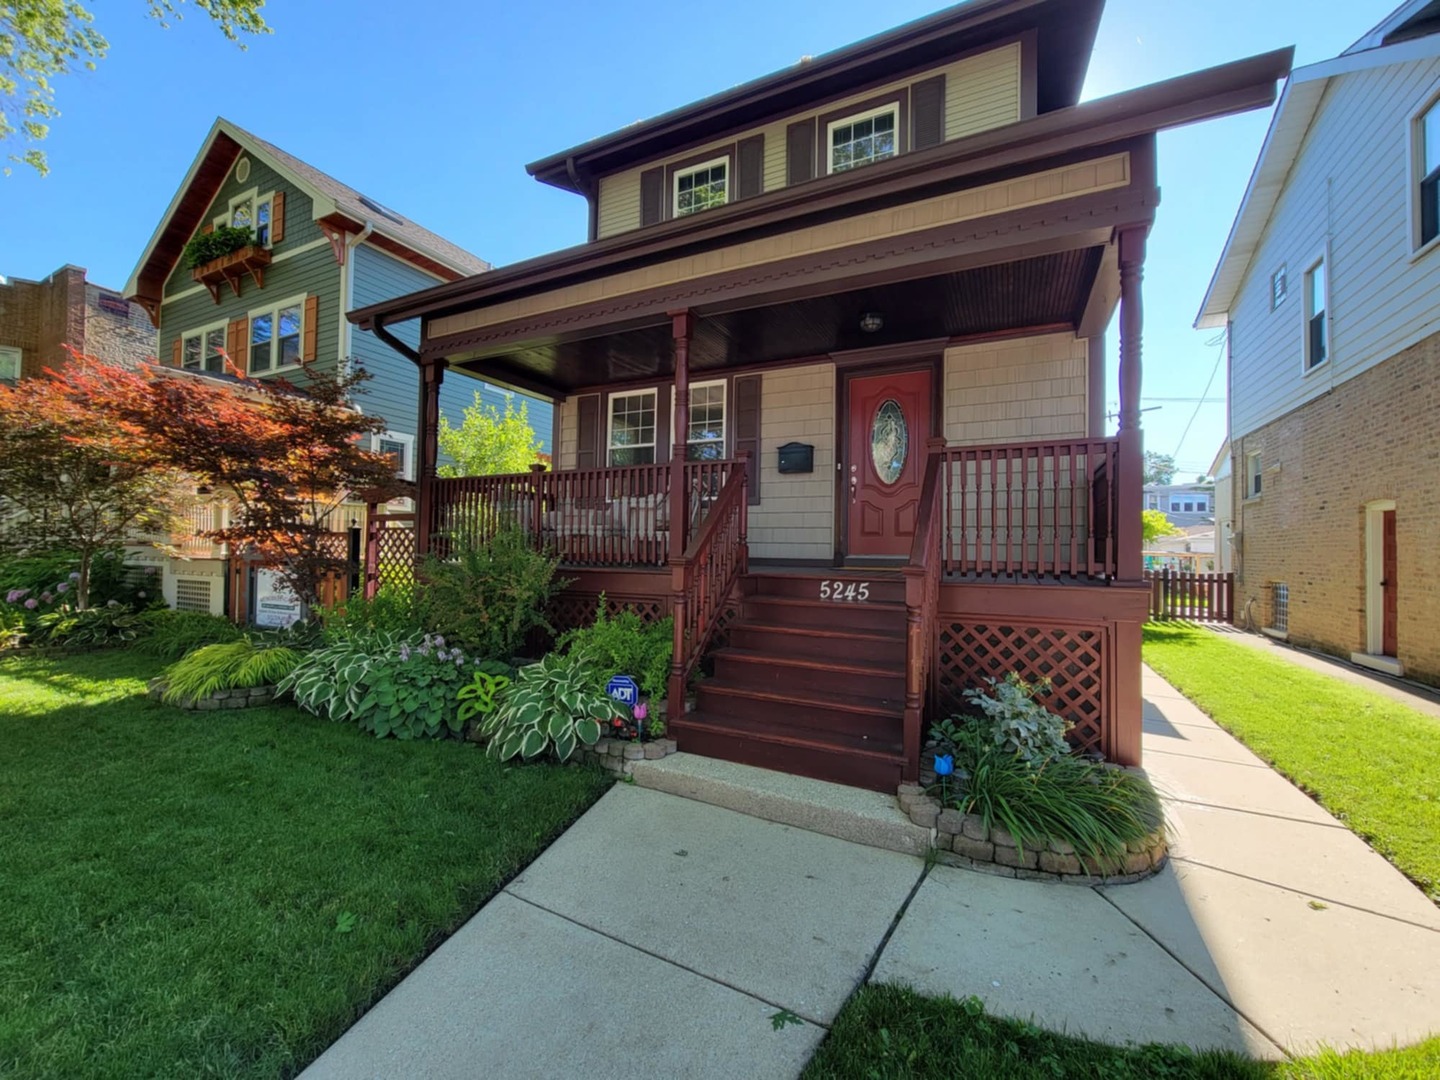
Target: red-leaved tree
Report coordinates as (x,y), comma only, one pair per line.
(285,454)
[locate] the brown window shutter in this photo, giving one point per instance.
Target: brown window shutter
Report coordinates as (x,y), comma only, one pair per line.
(177,354)
(237,342)
(208,228)
(750,167)
(277,218)
(587,449)
(747,429)
(652,196)
(312,328)
(800,152)
(927,113)
(664,417)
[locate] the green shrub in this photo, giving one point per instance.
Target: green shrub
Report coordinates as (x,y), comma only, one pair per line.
(624,645)
(169,634)
(224,239)
(233,665)
(114,625)
(387,683)
(1019,724)
(12,627)
(1096,809)
(552,705)
(393,609)
(487,598)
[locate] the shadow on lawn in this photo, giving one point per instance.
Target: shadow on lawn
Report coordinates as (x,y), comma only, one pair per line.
(1169,633)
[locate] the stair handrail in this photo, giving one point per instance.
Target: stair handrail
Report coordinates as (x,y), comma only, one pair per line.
(922,602)
(702,579)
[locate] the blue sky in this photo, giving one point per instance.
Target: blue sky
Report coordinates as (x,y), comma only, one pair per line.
(434,107)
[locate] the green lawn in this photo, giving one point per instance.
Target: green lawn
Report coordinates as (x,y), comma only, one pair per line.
(1372,762)
(222,894)
(890,1033)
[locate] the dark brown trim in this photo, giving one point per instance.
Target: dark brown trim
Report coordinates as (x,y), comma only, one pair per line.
(1236,87)
(900,99)
(1038,330)
(884,357)
(674,168)
(1095,387)
(1029,74)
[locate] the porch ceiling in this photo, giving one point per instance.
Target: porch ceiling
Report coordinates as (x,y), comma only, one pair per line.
(1046,290)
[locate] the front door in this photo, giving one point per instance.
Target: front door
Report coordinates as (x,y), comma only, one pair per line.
(1390,617)
(888,420)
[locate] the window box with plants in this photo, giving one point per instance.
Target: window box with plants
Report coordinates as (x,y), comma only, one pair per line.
(226,255)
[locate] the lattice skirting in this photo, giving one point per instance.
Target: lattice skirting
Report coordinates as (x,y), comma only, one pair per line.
(573,609)
(1071,657)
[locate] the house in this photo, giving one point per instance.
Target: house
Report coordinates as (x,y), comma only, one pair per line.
(1328,289)
(314,248)
(1191,550)
(829,381)
(1182,504)
(38,319)
(1224,509)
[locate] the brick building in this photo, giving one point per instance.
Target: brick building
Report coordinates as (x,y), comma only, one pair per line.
(39,318)
(1327,290)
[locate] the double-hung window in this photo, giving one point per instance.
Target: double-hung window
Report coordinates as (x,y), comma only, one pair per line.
(863,139)
(275,337)
(631,438)
(204,349)
(705,439)
(252,211)
(702,187)
(1253,476)
(399,448)
(1317,337)
(1427,157)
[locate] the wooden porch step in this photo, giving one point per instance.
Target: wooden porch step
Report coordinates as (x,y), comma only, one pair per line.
(881,587)
(819,641)
(846,720)
(867,618)
(732,740)
(777,671)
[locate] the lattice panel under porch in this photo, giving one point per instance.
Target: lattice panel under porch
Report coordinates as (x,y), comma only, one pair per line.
(573,609)
(1072,658)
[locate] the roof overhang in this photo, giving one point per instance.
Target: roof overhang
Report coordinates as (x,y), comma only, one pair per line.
(1065,34)
(1235,87)
(1299,103)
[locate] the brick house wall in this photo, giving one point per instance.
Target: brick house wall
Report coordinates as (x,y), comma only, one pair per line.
(1372,437)
(41,317)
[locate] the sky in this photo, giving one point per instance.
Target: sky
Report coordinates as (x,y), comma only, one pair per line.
(433,107)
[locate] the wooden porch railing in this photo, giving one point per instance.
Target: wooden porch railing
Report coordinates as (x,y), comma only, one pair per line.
(591,517)
(701,580)
(1029,510)
(922,601)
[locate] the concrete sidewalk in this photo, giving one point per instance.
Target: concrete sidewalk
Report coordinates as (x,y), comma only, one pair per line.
(661,934)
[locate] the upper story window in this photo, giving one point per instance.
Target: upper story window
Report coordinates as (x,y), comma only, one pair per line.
(252,211)
(275,337)
(204,349)
(1427,156)
(702,187)
(863,139)
(1317,336)
(631,439)
(1279,287)
(399,448)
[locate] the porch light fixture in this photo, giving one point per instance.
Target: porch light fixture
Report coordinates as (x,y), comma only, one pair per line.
(871,322)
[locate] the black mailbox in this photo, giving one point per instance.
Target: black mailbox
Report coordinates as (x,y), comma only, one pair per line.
(797,457)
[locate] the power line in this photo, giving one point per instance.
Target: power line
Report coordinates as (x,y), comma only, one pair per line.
(1219,340)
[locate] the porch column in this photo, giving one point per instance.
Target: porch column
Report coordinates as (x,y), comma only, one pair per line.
(1130,481)
(427,442)
(682,325)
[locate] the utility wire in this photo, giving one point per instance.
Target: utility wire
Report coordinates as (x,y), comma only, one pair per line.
(1218,340)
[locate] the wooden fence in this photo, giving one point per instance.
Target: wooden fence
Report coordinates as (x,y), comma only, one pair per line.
(1192,597)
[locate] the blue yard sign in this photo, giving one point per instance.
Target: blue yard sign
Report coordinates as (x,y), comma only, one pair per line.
(623,689)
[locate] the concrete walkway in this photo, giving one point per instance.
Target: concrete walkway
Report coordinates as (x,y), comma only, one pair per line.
(659,935)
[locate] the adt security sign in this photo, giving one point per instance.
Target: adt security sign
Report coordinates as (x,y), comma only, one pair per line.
(623,689)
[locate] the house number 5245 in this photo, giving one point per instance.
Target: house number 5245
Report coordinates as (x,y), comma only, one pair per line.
(844,590)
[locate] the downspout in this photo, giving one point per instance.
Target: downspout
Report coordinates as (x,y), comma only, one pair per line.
(347,292)
(592,230)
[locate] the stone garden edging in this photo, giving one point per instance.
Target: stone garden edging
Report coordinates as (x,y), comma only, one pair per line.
(962,840)
(619,755)
(244,698)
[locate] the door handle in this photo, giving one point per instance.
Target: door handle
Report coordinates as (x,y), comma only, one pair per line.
(854,487)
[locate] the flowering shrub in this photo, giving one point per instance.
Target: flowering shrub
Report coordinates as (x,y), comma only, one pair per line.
(403,685)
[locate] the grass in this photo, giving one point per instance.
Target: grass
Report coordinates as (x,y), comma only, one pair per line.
(1371,761)
(222,894)
(893,1033)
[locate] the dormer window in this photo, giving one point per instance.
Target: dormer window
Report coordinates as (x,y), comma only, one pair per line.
(863,139)
(252,211)
(702,187)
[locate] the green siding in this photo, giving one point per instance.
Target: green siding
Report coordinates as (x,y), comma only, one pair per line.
(309,273)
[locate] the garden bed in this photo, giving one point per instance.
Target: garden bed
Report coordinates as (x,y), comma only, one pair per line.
(242,698)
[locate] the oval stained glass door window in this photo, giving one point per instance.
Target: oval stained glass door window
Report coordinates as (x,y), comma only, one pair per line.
(889,441)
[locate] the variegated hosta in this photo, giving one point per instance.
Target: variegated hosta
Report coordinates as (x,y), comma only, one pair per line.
(550,704)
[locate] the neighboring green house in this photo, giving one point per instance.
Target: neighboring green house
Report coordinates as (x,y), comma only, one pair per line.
(319,248)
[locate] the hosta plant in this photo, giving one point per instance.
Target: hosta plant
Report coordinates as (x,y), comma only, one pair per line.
(1019,724)
(481,696)
(114,624)
(552,706)
(232,665)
